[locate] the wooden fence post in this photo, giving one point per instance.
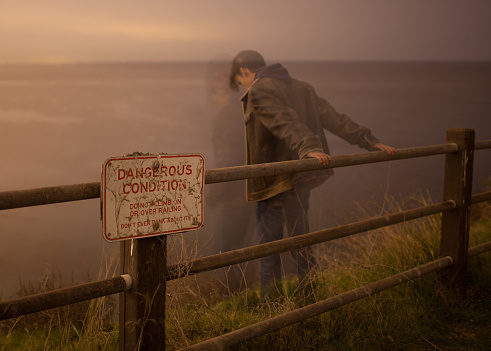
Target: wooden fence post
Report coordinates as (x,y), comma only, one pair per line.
(142,309)
(454,240)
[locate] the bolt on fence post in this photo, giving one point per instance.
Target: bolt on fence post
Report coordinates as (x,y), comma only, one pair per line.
(142,309)
(457,186)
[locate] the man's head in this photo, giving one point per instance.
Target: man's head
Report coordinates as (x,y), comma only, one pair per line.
(244,67)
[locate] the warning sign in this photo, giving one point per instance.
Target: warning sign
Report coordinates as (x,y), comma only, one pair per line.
(147,195)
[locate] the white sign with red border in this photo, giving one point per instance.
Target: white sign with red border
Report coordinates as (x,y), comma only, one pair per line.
(148,195)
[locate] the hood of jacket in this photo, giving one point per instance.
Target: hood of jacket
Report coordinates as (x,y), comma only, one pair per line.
(275,71)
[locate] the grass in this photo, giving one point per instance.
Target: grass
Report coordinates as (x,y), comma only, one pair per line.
(82,326)
(423,314)
(86,325)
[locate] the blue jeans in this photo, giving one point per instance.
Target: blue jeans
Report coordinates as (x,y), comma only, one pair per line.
(288,210)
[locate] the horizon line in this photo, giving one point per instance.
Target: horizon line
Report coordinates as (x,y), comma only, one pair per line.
(200,61)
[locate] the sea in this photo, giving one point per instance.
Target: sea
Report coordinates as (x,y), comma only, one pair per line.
(59,123)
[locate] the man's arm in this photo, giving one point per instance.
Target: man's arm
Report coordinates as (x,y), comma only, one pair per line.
(344,127)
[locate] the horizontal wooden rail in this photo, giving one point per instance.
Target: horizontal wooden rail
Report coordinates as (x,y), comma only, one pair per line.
(482,144)
(261,170)
(49,195)
(262,328)
(67,296)
(479,249)
(284,245)
(225,259)
(85,191)
(481,197)
(63,297)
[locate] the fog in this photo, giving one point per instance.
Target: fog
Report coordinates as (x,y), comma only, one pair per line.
(61,122)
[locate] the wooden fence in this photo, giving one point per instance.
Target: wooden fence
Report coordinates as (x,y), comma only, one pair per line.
(144,271)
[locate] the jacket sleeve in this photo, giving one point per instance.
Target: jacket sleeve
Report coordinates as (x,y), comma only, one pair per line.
(282,121)
(344,127)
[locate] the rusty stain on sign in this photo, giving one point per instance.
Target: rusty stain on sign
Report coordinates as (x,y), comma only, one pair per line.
(147,195)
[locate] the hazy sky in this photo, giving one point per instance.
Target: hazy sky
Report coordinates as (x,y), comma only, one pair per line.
(162,30)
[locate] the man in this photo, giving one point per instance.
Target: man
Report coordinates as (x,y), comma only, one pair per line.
(285,120)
